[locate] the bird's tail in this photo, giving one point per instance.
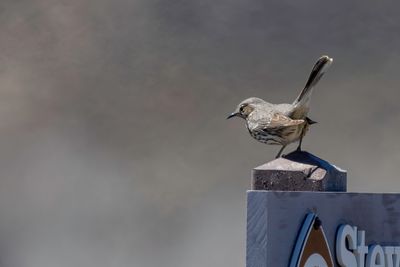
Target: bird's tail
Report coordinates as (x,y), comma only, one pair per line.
(317,72)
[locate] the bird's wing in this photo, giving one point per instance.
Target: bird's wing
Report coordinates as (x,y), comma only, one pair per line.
(280,120)
(276,123)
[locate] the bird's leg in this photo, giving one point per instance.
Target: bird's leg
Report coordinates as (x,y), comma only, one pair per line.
(280,152)
(299,146)
(303,131)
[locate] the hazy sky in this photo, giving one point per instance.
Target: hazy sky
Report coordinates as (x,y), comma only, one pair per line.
(114,148)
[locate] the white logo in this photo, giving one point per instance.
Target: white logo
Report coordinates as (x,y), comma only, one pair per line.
(311,249)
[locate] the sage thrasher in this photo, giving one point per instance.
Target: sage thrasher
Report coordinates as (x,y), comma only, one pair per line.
(281,124)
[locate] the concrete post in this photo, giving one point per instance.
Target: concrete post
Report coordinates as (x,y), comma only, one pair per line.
(274,217)
(299,171)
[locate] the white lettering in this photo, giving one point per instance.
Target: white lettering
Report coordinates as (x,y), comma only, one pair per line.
(389,251)
(351,250)
(396,258)
(361,249)
(375,257)
(344,256)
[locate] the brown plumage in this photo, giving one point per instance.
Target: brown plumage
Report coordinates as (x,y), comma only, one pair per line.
(281,124)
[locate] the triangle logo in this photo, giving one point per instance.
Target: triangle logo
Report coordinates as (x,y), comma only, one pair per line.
(311,249)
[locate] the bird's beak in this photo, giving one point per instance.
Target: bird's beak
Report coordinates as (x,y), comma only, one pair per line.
(234,114)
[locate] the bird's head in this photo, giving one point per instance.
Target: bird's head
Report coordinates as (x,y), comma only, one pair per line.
(246,107)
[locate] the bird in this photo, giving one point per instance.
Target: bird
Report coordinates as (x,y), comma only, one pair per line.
(282,124)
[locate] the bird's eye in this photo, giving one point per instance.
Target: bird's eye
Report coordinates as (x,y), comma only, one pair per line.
(241,109)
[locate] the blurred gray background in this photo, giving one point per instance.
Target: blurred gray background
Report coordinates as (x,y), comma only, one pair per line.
(114,148)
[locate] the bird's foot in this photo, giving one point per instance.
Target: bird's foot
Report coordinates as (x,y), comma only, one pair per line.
(280,152)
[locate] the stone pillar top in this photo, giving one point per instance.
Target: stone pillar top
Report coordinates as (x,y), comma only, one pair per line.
(299,171)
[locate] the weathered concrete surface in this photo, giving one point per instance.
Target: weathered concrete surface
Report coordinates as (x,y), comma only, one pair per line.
(299,171)
(274,219)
